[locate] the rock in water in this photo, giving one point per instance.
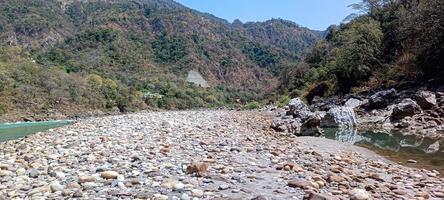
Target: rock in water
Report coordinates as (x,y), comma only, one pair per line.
(359,194)
(382,99)
(433,148)
(406,108)
(339,117)
(425,99)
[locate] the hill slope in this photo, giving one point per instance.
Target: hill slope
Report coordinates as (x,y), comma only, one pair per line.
(143,47)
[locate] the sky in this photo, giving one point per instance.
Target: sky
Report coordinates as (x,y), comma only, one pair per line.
(314,14)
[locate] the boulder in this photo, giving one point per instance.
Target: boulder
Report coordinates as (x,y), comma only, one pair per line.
(339,117)
(310,127)
(382,99)
(294,127)
(353,103)
(425,99)
(406,108)
(324,104)
(298,109)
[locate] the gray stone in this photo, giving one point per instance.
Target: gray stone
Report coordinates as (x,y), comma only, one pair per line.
(425,99)
(433,148)
(353,103)
(359,194)
(56,186)
(33,173)
(406,108)
(382,99)
(298,109)
(339,117)
(260,197)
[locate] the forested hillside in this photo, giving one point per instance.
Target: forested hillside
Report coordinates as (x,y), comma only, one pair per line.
(125,55)
(387,43)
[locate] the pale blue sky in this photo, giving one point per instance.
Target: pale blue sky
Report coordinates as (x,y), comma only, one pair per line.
(314,14)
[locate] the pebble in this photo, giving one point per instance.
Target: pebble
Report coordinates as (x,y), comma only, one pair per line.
(359,194)
(197,193)
(298,184)
(160,197)
(33,173)
(84,179)
(411,161)
(21,171)
(260,197)
(224,187)
(399,192)
(56,186)
(109,174)
(73,185)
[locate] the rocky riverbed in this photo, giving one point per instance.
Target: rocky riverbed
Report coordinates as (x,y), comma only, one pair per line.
(199,155)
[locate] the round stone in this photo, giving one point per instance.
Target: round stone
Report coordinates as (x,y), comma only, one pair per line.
(359,194)
(109,174)
(197,193)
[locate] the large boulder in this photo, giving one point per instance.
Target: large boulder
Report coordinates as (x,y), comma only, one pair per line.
(286,125)
(382,99)
(339,117)
(406,108)
(298,109)
(425,99)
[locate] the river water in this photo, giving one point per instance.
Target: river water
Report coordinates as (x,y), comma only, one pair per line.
(395,146)
(12,131)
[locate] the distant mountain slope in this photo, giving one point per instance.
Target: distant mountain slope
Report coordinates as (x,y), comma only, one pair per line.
(137,42)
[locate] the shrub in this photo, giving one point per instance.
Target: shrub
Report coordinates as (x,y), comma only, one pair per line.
(284,101)
(252,105)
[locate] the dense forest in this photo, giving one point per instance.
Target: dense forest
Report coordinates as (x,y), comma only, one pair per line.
(387,43)
(118,55)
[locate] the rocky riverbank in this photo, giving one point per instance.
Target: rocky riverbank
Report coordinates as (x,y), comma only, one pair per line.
(199,155)
(417,112)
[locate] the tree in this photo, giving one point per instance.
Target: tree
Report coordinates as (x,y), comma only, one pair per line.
(356,52)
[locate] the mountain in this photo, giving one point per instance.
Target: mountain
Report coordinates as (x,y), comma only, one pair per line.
(144,47)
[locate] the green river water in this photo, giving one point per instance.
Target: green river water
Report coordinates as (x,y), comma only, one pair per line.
(12,131)
(395,146)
